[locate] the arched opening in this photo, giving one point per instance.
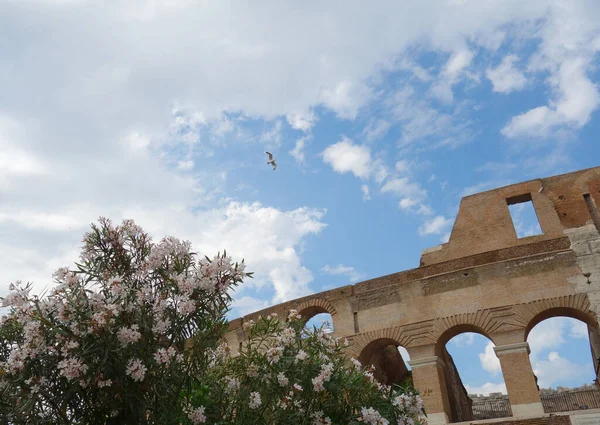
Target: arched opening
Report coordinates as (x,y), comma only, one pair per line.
(390,361)
(317,313)
(319,320)
(565,347)
(474,381)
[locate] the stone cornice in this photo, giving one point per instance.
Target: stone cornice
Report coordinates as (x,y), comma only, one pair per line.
(426,361)
(512,348)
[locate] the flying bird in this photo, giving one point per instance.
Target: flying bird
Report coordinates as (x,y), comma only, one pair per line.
(271,160)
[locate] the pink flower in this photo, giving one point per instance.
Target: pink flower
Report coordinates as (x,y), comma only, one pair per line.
(72,368)
(129,335)
(136,369)
(197,415)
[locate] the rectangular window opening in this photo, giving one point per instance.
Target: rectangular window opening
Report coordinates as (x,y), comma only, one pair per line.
(524,217)
(355,322)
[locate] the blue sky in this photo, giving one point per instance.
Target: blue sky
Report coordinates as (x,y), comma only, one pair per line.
(380,120)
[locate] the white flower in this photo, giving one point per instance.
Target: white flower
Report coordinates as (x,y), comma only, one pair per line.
(318,418)
(297,387)
(293,315)
(161,326)
(129,335)
(252,370)
(286,337)
(233,384)
(357,364)
(164,356)
(136,369)
(372,417)
(319,381)
(248,325)
(197,415)
(102,384)
(255,401)
(274,354)
(281,378)
(301,355)
(72,368)
(186,306)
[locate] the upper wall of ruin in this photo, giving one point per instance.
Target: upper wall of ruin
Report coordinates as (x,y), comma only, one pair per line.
(484,224)
(483,234)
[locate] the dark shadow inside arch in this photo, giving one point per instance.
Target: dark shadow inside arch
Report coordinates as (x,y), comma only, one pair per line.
(390,366)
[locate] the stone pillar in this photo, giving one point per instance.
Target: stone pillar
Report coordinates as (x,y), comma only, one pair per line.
(520,382)
(428,378)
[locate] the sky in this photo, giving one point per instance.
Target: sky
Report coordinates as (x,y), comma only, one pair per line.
(380,117)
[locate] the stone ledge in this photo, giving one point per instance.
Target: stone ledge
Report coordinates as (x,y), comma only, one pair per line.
(426,361)
(512,348)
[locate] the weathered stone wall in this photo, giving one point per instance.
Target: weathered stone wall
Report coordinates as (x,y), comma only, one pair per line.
(483,280)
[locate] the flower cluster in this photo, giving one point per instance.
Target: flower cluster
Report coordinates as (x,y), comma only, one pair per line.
(116,324)
(285,373)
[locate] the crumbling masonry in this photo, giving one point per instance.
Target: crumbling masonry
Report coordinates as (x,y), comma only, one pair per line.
(484,279)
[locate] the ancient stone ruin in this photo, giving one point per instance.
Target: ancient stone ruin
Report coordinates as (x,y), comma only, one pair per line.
(485,279)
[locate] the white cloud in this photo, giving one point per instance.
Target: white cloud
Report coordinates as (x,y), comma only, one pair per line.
(463,340)
(346,98)
(402,166)
(424,210)
(505,78)
(272,138)
(185,165)
(411,193)
(365,191)
(455,66)
(303,122)
(246,305)
(376,130)
(435,226)
(489,360)
(345,156)
(487,388)
(99,122)
(547,335)
(340,269)
(553,368)
(422,123)
(579,330)
(298,152)
(576,97)
(42,231)
(416,69)
(556,368)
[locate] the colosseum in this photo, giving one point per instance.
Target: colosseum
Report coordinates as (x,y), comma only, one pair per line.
(487,280)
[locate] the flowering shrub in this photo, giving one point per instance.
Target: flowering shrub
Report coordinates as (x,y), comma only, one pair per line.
(133,335)
(286,374)
(108,343)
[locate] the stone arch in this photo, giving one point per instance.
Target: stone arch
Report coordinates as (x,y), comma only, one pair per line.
(481,322)
(575,306)
(314,306)
(455,331)
(460,404)
(389,365)
(579,311)
(361,341)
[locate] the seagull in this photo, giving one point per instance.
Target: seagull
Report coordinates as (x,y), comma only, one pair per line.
(271,160)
